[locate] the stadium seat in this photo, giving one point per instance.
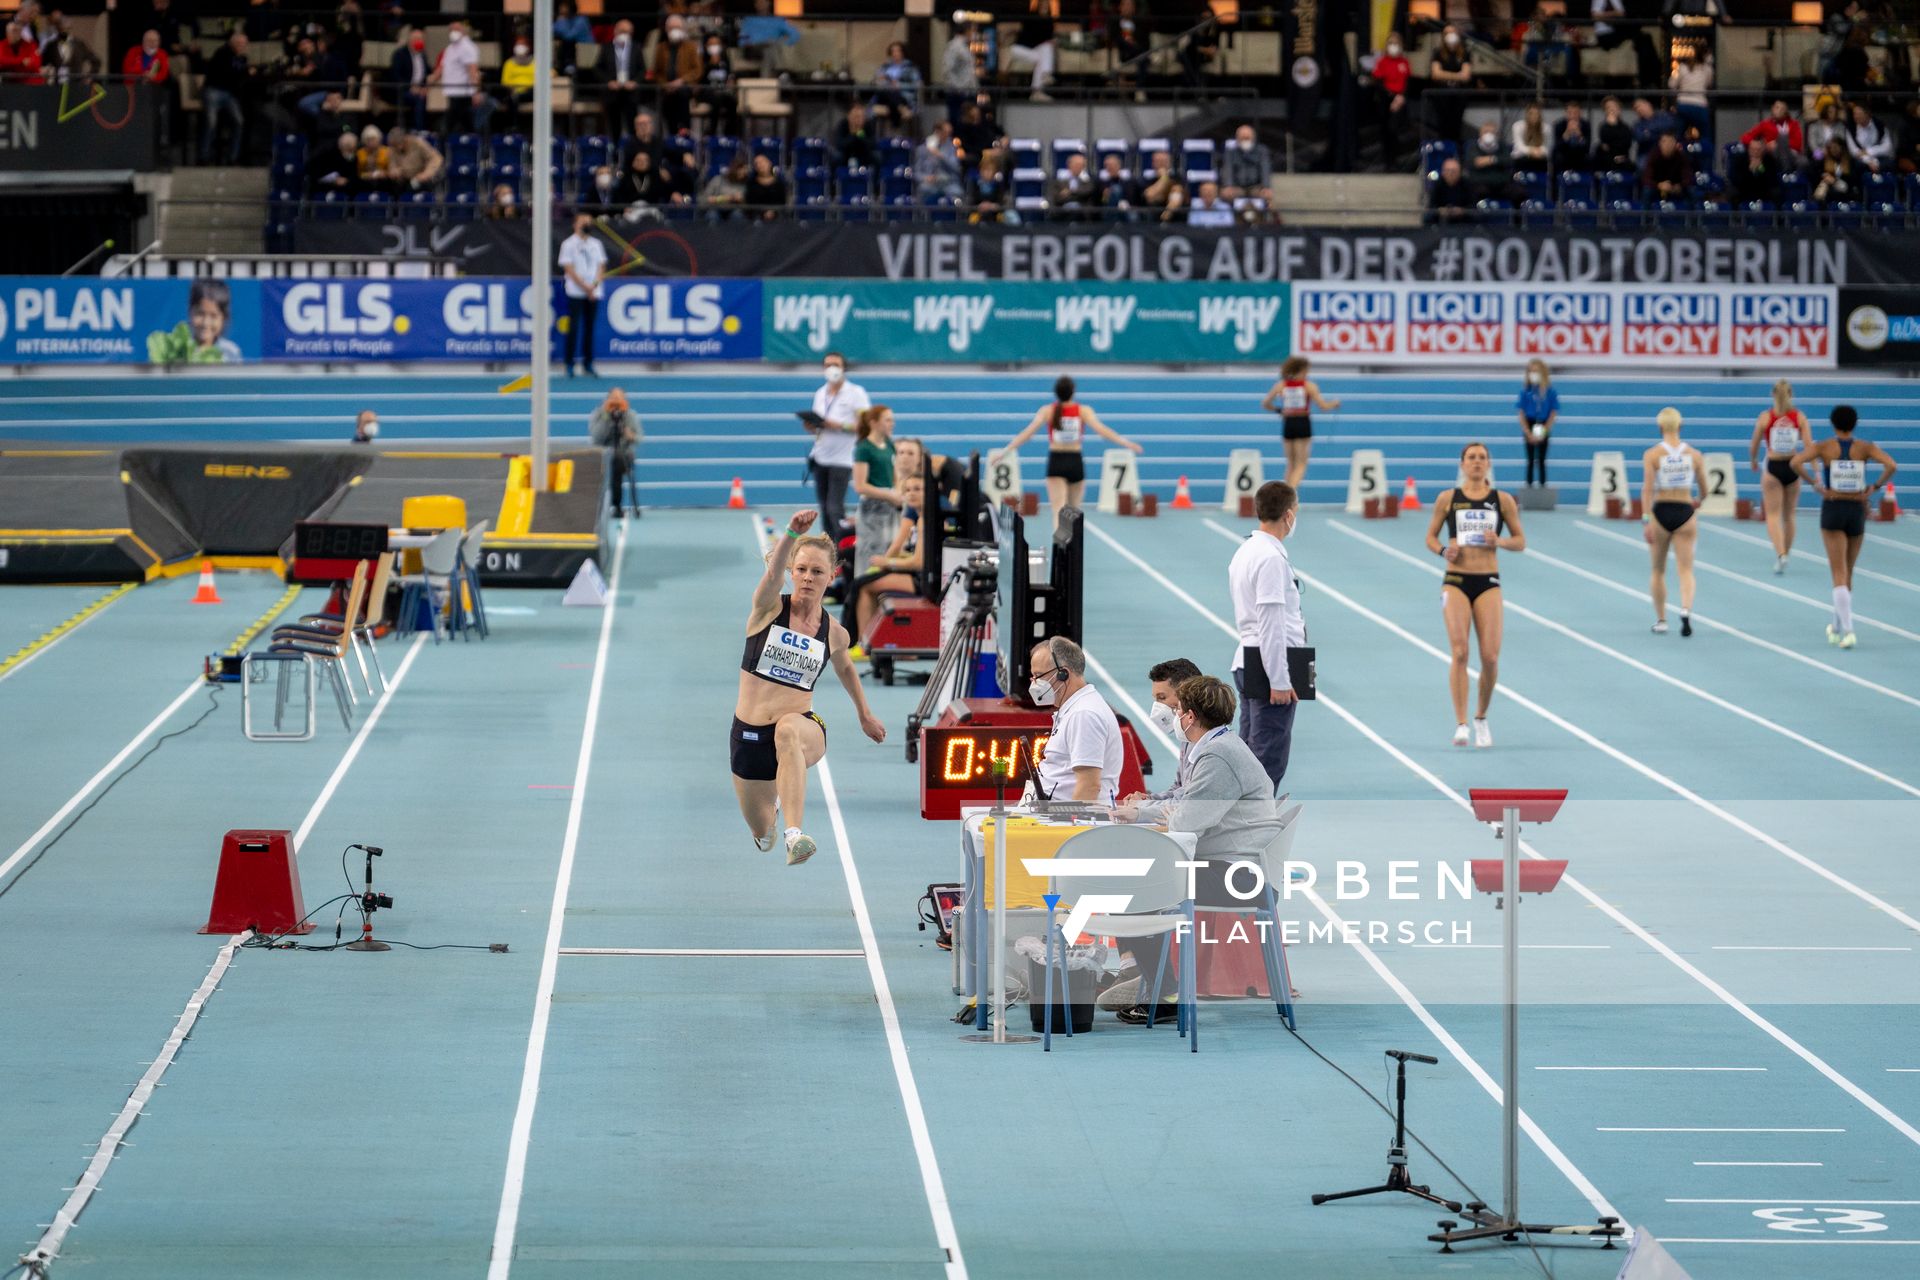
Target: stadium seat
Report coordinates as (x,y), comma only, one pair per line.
(1533,184)
(373,204)
(810,185)
(284,203)
(1880,188)
(896,182)
(1030,190)
(1197,160)
(1143,152)
(1064,147)
(1024,153)
(1707,184)
(560,150)
(898,208)
(417,206)
(463,148)
(287,173)
(593,151)
(812,208)
(1625,212)
(721,150)
(1537,215)
(462,206)
(462,177)
(1581,214)
(1576,184)
(1910,190)
(508,148)
(774,149)
(809,153)
(1105,147)
(941,209)
(278,237)
(509,174)
(853,180)
(331,207)
(1615,185)
(1844,214)
(1793,188)
(894,151)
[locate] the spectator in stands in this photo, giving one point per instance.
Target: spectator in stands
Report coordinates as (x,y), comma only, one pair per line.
(516,79)
(1834,36)
(1756,174)
(1907,158)
(1833,173)
(1613,138)
(1197,54)
(898,92)
(408,78)
(1487,163)
(1154,188)
(1869,142)
(1115,186)
(717,89)
(1073,192)
(1825,126)
(335,168)
(1851,69)
(1450,199)
(645,137)
(853,138)
(321,107)
(20,57)
(571,25)
(992,202)
(1691,79)
(1648,126)
(1450,69)
(373,158)
(583,264)
(1391,72)
(173,37)
(264,21)
(768,35)
(1529,150)
(458,75)
(1246,168)
(959,72)
(1209,208)
(1128,39)
(1548,41)
(298,75)
(1176,206)
(676,69)
(600,193)
(503,202)
(621,75)
(726,190)
(347,35)
(936,167)
(1033,47)
(1572,146)
(707,19)
(413,163)
(65,56)
(766,190)
(1668,172)
(1780,133)
(1608,35)
(226,95)
(147,60)
(643,183)
(977,133)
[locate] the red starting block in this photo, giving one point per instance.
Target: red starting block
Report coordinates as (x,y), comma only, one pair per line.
(257,886)
(1246,506)
(1616,509)
(1887,511)
(1029,504)
(1743,509)
(1149,505)
(1125,504)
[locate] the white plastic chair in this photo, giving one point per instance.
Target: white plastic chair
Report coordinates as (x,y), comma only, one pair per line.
(435,579)
(1159,906)
(469,573)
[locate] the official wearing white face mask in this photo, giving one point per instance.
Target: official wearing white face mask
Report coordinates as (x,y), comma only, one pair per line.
(837,405)
(366,427)
(1083,757)
(1163,711)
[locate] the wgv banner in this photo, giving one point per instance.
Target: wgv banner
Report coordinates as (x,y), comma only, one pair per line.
(1005,323)
(85,320)
(1703,326)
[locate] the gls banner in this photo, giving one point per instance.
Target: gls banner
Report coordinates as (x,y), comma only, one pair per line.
(492,319)
(1019,323)
(1708,326)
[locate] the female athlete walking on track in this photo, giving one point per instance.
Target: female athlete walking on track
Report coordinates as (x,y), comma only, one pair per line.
(1067,422)
(1295,397)
(1782,432)
(776,735)
(1474,515)
(1843,509)
(1667,509)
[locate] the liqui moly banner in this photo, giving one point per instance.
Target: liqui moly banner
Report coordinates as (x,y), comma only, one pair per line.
(1717,326)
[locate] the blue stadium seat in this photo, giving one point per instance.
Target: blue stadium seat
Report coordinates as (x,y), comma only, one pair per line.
(463,148)
(894,151)
(899,206)
(774,149)
(1576,184)
(561,153)
(810,152)
(941,209)
(463,177)
(1708,185)
(1910,190)
(1536,215)
(1624,211)
(1024,153)
(462,206)
(1880,188)
(809,184)
(1581,214)
(897,181)
(510,174)
(1197,160)
(721,150)
(287,173)
(1143,152)
(812,208)
(1029,190)
(1616,184)
(508,148)
(1844,214)
(289,148)
(1495,212)
(1064,147)
(279,237)
(373,204)
(1793,188)
(852,180)
(1105,147)
(1533,184)
(331,207)
(594,150)
(417,206)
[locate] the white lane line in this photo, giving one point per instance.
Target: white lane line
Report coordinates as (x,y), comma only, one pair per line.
(1758,948)
(1798,554)
(1644,770)
(1783,1200)
(1685,686)
(1879,541)
(1525,946)
(1602,1128)
(1613,913)
(63,1221)
(1759,1164)
(513,1184)
(1539,1137)
(944,1231)
(741,953)
(1781,1240)
(106,771)
(1649,1068)
(1735,632)
(1905,1070)
(1824,606)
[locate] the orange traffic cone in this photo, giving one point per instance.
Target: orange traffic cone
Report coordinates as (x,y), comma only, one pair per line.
(1182,496)
(737,498)
(208,593)
(1890,505)
(1410,497)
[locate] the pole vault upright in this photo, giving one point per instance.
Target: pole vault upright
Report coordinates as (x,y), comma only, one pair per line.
(542,214)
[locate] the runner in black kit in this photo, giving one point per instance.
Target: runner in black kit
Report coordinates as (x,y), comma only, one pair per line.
(776,736)
(1843,508)
(1067,422)
(1295,397)
(1475,516)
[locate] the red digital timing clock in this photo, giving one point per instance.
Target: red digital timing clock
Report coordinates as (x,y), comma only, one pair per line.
(956,766)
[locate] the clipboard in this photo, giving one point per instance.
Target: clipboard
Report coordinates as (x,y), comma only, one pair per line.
(1301,674)
(811,420)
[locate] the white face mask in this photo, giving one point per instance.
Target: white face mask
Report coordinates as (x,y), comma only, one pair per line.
(1164,718)
(371,430)
(1393,51)
(835,373)
(623,39)
(1041,691)
(1452,40)
(1533,379)
(676,35)
(455,37)
(521,51)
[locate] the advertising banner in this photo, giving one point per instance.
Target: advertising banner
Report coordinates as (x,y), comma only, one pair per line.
(1714,327)
(1007,323)
(95,126)
(52,320)
(1879,327)
(1144,253)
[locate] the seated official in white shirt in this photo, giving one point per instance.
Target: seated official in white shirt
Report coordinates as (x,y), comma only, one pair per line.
(1266,612)
(1083,756)
(1164,712)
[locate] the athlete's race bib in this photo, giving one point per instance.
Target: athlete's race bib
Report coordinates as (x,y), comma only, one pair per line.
(1475,526)
(1847,475)
(1293,399)
(1675,473)
(792,659)
(1069,430)
(1784,437)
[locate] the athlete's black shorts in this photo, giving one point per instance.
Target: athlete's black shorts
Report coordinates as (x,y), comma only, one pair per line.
(1781,469)
(1845,517)
(1067,465)
(1672,515)
(752,749)
(1471,585)
(1297,426)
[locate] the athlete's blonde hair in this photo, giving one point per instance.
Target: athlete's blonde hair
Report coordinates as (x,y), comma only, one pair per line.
(1782,396)
(816,541)
(1669,420)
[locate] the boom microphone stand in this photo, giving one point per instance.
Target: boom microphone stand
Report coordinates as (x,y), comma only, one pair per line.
(1397,1177)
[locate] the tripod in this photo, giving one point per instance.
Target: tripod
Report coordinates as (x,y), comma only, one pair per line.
(952,676)
(1397,1177)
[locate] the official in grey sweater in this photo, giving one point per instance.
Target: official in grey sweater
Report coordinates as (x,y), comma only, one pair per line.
(616,427)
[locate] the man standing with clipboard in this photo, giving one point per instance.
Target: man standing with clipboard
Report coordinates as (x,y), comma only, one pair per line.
(836,410)
(1273,668)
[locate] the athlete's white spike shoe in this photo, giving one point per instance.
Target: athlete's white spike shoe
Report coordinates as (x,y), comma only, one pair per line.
(1847,641)
(1833,637)
(1660,627)
(800,847)
(1482,736)
(764,843)
(1461,737)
